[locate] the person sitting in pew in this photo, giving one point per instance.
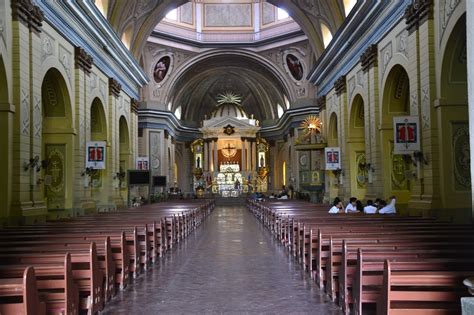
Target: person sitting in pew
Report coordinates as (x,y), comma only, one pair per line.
(337,206)
(390,208)
(351,206)
(359,206)
(370,208)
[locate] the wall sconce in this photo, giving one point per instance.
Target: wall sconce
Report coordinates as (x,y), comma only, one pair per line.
(87,174)
(420,158)
(33,163)
(120,176)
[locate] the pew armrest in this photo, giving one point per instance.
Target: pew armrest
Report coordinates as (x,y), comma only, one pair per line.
(469,283)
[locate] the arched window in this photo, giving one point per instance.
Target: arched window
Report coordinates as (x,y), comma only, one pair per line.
(280,110)
(102,6)
(172,15)
(170,105)
(287,102)
(127,36)
(283,178)
(348,5)
(327,36)
(177,112)
(282,14)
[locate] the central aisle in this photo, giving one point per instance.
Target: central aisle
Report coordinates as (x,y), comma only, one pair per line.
(231,264)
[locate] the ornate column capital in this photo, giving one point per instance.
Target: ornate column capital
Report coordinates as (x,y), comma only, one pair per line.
(368,59)
(134,106)
(321,102)
(28,14)
(82,60)
(417,13)
(114,87)
(340,85)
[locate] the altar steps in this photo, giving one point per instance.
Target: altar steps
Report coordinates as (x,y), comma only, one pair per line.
(231,201)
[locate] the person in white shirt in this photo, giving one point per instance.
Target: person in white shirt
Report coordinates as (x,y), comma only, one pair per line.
(390,208)
(337,206)
(370,209)
(351,206)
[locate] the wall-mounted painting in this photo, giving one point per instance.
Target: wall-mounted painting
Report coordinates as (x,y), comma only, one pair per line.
(161,69)
(295,66)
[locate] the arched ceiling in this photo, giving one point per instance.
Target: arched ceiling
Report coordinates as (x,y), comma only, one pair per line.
(197,89)
(141,16)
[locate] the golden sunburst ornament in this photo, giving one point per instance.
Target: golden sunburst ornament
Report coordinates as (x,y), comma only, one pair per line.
(312,125)
(229,98)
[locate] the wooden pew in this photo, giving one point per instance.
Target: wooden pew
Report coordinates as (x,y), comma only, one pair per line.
(421,292)
(19,295)
(54,283)
(85,271)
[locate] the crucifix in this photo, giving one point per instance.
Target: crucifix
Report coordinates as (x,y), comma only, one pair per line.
(229,149)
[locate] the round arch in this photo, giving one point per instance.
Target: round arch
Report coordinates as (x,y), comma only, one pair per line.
(208,56)
(6,130)
(356,148)
(306,16)
(333,138)
(98,132)
(57,134)
(395,102)
(453,123)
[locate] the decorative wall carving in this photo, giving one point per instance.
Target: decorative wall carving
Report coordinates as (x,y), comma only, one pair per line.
(65,58)
(93,81)
(37,117)
(155,149)
(446,9)
(55,193)
(425,108)
(398,170)
(386,55)
(402,43)
(25,113)
(351,83)
(461,156)
(102,87)
(360,78)
(227,15)
(361,176)
(47,50)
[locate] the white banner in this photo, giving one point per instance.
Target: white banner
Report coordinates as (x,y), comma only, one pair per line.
(333,158)
(406,137)
(143,163)
(95,154)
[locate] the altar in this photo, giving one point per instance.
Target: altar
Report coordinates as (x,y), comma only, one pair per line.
(229,180)
(230,159)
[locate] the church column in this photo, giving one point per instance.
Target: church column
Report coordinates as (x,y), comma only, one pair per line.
(216,166)
(254,156)
(249,156)
(83,65)
(112,166)
(243,154)
(211,155)
(205,163)
(22,13)
(470,76)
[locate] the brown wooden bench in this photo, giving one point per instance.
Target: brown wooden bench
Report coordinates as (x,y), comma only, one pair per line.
(19,295)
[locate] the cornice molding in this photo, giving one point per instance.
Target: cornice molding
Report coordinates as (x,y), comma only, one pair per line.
(340,85)
(417,13)
(83,60)
(114,87)
(134,106)
(321,102)
(30,15)
(369,57)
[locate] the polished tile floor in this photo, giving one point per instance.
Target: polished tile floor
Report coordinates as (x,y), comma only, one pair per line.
(230,265)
